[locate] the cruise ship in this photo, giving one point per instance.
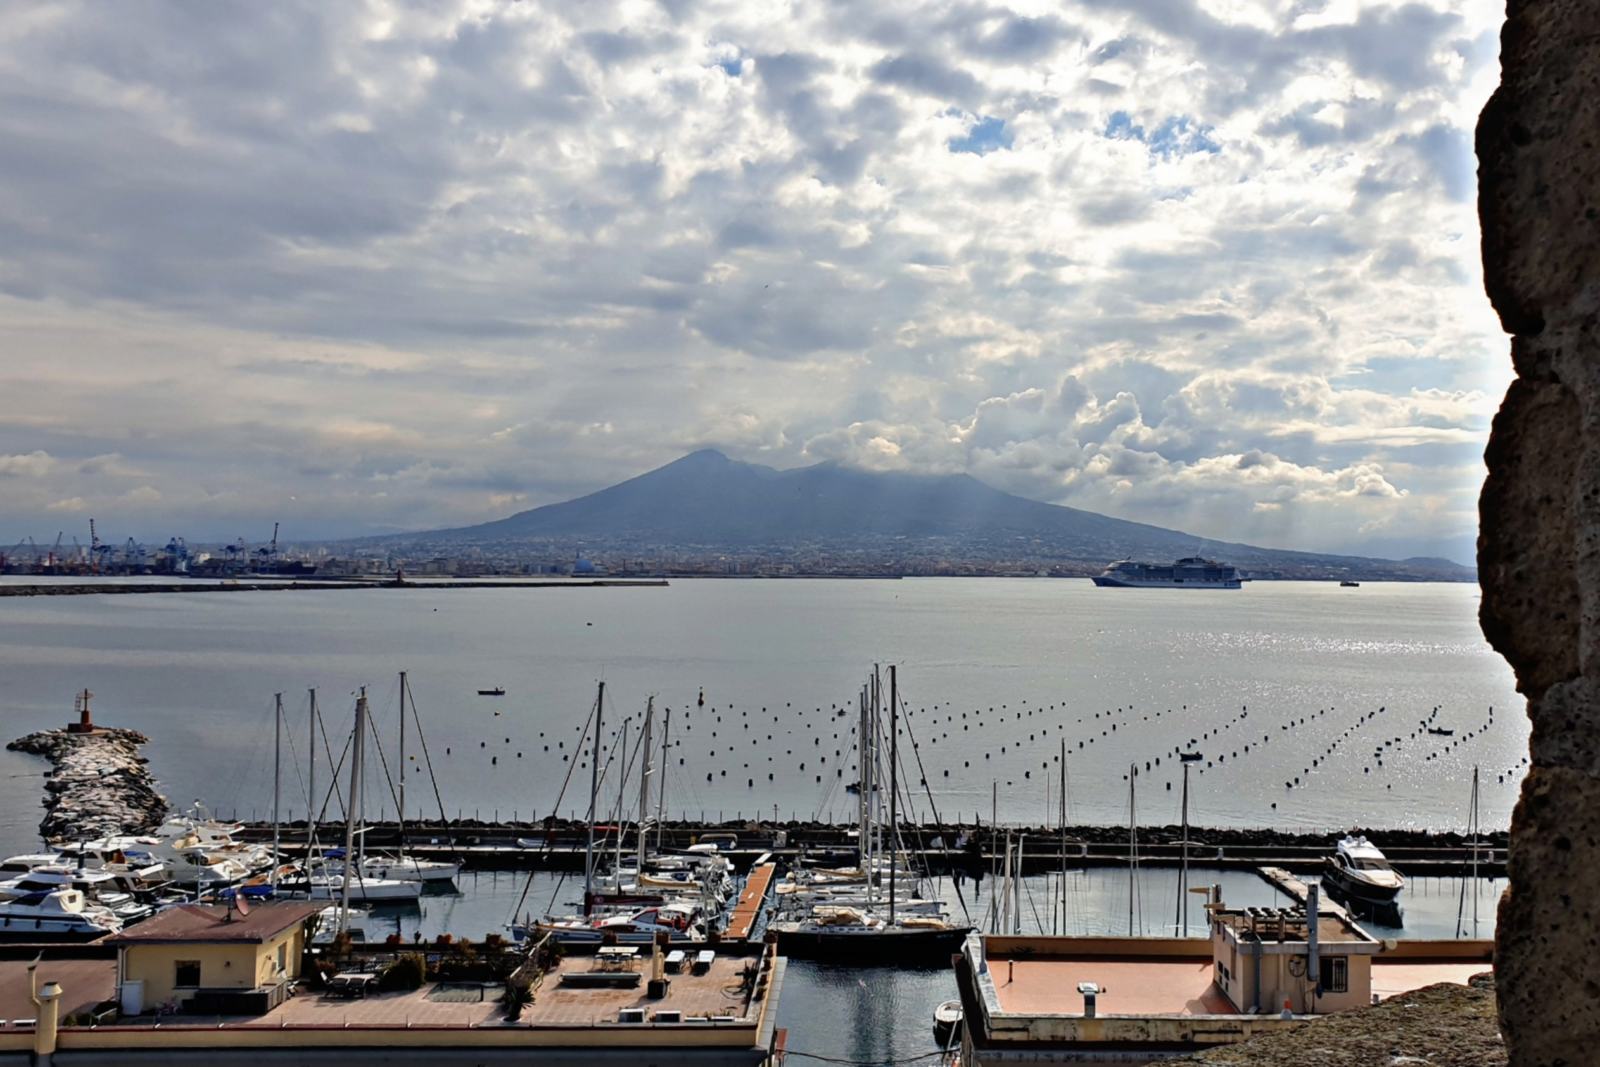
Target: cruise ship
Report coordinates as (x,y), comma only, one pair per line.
(1191,572)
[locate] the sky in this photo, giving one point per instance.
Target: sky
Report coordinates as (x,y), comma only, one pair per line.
(369,267)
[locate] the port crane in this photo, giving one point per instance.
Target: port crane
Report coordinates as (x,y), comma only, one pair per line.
(268,555)
(99,551)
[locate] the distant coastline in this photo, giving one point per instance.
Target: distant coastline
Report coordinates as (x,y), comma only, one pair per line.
(267,585)
(121,587)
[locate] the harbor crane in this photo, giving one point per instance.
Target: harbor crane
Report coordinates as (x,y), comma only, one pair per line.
(99,551)
(268,555)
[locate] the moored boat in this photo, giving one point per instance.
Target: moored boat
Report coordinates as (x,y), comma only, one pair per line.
(1361,873)
(947,1023)
(57,915)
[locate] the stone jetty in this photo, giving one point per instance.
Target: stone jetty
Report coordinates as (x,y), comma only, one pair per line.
(100,785)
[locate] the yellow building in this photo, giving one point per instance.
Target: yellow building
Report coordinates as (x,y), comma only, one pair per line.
(212,958)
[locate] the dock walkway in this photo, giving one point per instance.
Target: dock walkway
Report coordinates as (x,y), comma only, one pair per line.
(751,899)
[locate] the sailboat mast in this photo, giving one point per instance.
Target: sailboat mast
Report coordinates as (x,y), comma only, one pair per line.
(622,792)
(894,784)
(1183,863)
(311,773)
(1063,835)
(400,797)
(661,790)
(864,790)
(645,756)
(1133,854)
(1016,889)
(1474,851)
(357,743)
(277,783)
(594,792)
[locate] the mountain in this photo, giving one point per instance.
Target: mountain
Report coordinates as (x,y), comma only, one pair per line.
(706,501)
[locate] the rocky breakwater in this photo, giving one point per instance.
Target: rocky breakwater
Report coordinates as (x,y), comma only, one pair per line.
(100,784)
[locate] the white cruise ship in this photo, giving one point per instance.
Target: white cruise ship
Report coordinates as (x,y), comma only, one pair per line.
(1191,572)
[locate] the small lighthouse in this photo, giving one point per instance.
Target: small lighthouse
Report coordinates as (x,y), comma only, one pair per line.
(85,723)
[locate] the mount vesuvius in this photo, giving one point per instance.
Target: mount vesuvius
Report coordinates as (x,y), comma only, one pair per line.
(707,504)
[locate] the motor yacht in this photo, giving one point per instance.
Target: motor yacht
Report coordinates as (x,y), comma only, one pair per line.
(1360,872)
(60,914)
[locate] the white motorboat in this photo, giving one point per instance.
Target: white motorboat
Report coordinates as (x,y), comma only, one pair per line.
(363,890)
(1359,871)
(60,914)
(409,869)
(103,888)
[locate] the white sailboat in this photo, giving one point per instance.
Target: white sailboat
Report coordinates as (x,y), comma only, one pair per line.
(401,866)
(348,882)
(860,913)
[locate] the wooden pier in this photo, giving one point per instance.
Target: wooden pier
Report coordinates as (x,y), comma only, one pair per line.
(751,900)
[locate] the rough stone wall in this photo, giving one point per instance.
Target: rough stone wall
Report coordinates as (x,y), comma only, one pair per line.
(1538,149)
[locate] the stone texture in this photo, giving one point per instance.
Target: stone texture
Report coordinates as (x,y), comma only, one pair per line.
(1438,1026)
(100,786)
(1548,935)
(1538,148)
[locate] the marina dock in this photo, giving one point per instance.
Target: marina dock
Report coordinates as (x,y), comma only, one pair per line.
(751,900)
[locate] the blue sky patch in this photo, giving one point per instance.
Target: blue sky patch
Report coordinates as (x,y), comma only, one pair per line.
(734,67)
(985,136)
(1178,135)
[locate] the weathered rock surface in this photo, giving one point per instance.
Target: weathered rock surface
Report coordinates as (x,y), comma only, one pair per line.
(1441,1025)
(1538,148)
(100,786)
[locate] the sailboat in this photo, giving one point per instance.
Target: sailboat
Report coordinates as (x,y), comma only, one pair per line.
(650,892)
(348,882)
(401,866)
(859,913)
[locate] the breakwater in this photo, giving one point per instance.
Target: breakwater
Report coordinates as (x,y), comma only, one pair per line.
(97,588)
(100,784)
(970,849)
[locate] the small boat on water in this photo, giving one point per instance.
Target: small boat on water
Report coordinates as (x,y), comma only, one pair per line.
(1191,757)
(1440,731)
(1348,584)
(947,1023)
(1361,873)
(497,691)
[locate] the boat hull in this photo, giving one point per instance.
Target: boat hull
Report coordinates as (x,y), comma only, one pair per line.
(1359,892)
(861,945)
(49,930)
(1107,582)
(405,871)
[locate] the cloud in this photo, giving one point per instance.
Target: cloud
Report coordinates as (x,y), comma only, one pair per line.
(368,266)
(35,464)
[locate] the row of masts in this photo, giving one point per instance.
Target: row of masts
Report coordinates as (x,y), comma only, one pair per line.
(355,808)
(647,754)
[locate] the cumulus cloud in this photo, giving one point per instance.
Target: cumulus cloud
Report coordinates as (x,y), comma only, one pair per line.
(379,266)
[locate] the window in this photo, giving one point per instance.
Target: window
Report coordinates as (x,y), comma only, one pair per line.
(1335,976)
(187,974)
(283,957)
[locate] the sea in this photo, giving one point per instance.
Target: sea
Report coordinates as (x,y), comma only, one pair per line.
(1308,703)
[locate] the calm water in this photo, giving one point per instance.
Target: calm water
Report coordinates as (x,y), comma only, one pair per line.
(1122,676)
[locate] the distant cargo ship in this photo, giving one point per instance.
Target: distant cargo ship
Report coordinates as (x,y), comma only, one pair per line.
(1191,572)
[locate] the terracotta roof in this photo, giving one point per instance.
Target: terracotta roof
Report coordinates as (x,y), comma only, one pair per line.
(211,923)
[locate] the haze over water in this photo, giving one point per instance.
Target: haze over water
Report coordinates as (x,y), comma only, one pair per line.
(197,673)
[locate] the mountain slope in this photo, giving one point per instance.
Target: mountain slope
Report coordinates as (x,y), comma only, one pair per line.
(707,501)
